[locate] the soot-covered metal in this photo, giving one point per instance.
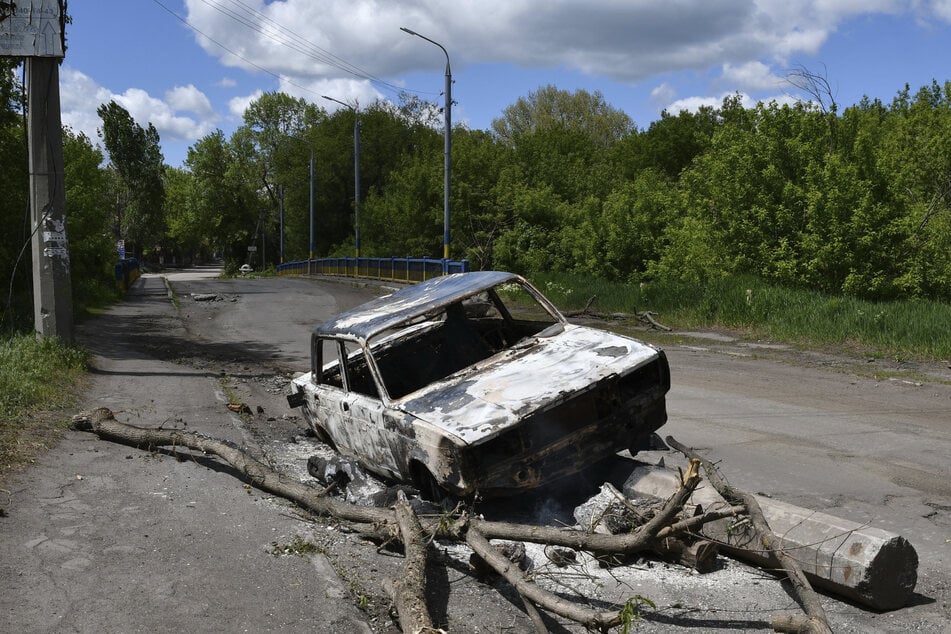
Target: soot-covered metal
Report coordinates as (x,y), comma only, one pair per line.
(475,382)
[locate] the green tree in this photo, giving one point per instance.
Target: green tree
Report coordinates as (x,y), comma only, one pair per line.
(136,157)
(549,107)
(669,144)
(92,248)
(214,205)
(15,279)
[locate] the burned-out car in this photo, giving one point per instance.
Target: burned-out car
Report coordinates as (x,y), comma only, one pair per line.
(475,382)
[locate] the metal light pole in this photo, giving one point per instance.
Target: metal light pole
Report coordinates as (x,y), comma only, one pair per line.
(448,135)
(280,195)
(356,172)
(310,254)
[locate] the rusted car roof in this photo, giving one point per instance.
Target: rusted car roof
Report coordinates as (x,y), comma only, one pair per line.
(391,310)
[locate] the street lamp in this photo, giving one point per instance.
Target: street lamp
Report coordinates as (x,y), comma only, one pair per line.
(448,150)
(356,171)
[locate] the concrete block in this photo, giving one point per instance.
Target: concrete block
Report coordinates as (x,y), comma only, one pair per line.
(870,566)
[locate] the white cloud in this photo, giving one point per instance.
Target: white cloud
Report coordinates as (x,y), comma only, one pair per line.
(190,99)
(226,82)
(350,49)
(81,96)
(629,41)
(693,104)
(749,76)
(346,90)
(941,9)
(237,105)
(662,95)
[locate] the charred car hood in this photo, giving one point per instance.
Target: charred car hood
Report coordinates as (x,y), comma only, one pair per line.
(481,401)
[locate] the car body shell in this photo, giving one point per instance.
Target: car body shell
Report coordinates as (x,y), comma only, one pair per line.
(544,399)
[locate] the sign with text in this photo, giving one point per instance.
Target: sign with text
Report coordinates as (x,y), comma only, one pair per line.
(31,28)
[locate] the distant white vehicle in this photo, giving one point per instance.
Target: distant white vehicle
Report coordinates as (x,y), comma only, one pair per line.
(245,268)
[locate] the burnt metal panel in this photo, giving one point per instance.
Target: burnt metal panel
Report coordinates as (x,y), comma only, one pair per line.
(407,303)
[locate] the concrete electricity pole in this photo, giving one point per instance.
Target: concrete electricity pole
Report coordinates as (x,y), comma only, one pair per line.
(52,288)
(34,30)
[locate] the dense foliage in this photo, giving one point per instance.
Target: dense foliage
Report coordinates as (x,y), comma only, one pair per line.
(853,202)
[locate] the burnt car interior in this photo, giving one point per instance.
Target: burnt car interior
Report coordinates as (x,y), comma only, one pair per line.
(440,343)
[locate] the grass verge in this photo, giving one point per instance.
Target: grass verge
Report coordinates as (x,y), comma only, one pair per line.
(745,305)
(38,381)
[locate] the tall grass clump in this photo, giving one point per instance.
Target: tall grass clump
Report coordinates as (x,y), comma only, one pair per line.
(37,374)
(908,328)
(36,379)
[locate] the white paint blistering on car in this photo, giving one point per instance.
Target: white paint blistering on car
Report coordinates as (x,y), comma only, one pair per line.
(518,382)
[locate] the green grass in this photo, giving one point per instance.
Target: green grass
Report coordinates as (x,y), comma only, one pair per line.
(91,297)
(749,307)
(38,379)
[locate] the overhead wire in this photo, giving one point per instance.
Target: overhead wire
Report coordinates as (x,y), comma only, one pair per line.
(233,52)
(277,32)
(269,28)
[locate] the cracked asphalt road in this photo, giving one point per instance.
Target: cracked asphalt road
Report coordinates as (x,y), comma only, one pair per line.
(103,537)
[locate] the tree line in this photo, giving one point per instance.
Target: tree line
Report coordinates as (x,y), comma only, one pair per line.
(853,202)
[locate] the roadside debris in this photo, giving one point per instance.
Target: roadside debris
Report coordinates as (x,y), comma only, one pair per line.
(646,317)
(671,518)
(212,297)
(240,408)
(858,562)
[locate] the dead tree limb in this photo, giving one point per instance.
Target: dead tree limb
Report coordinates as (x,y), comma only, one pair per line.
(409,592)
(535,617)
(403,524)
(646,316)
(534,593)
(102,423)
(815,621)
(624,544)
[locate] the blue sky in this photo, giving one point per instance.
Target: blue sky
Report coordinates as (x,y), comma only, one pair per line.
(644,56)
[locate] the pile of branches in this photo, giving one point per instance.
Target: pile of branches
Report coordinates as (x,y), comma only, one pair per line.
(402,524)
(645,317)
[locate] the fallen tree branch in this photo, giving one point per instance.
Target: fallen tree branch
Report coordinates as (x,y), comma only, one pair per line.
(646,316)
(534,593)
(815,621)
(102,423)
(409,592)
(403,524)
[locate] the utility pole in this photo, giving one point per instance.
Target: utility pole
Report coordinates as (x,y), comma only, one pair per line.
(52,288)
(35,30)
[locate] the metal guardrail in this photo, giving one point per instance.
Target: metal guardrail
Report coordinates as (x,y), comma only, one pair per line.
(392,269)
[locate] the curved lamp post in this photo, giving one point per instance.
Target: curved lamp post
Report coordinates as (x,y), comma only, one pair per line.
(356,171)
(448,150)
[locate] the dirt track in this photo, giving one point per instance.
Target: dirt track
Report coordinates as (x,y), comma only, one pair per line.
(797,426)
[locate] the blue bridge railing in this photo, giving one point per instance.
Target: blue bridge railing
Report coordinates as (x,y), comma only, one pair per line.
(127,272)
(395,269)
